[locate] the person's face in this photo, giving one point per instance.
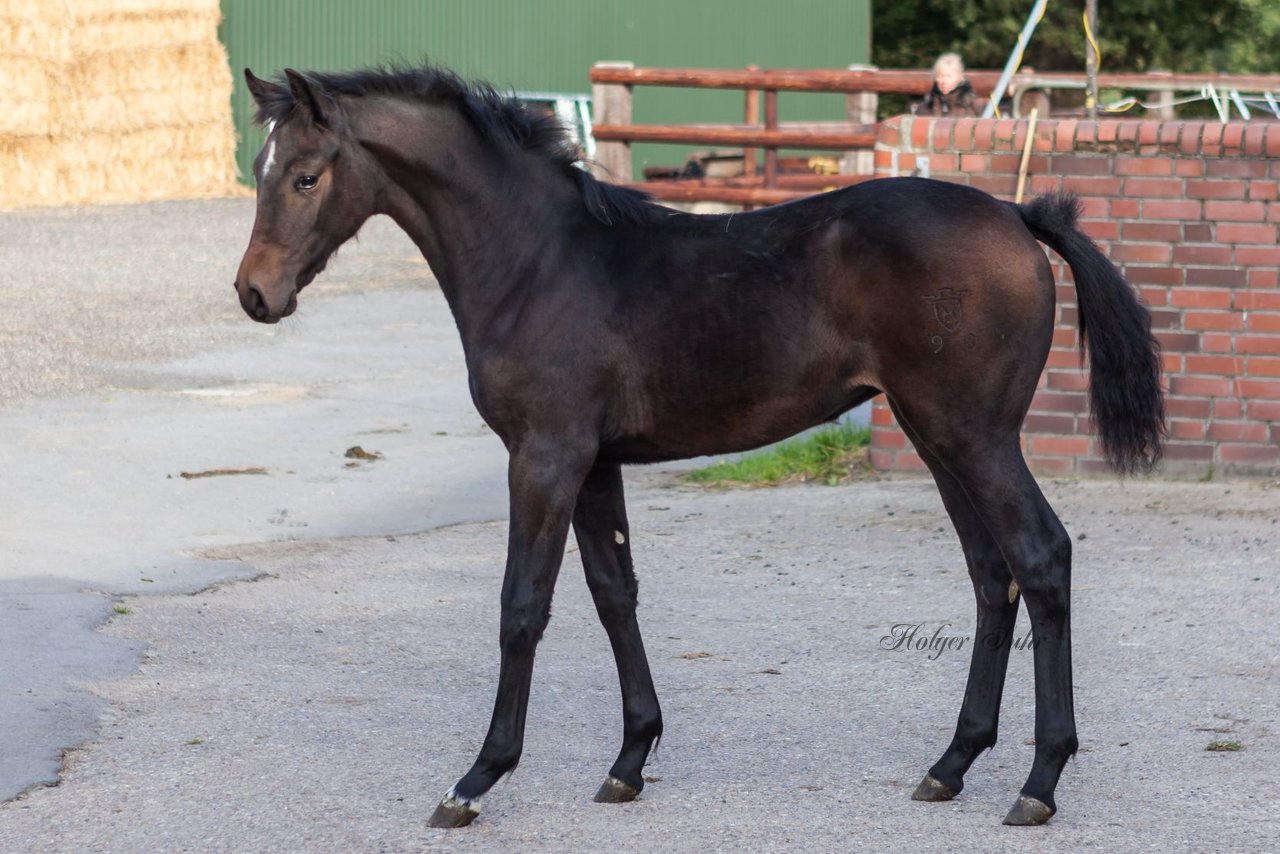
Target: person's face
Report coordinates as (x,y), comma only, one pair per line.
(948,78)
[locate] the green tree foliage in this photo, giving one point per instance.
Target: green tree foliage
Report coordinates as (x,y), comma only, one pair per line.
(1237,36)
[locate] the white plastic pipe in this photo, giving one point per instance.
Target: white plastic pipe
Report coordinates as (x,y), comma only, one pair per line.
(1015,58)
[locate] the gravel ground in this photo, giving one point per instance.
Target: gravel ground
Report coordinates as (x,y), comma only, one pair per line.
(328,704)
(86,294)
(125,360)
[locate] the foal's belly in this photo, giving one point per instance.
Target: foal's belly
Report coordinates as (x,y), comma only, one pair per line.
(736,368)
(698,431)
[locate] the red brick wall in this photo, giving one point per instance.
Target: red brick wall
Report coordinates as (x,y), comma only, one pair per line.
(1189,212)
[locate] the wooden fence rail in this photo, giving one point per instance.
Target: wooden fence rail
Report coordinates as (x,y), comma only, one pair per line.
(613,84)
(857,136)
(855,79)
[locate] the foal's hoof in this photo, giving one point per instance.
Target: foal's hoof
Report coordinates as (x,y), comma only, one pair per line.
(1028,812)
(454,812)
(932,789)
(614,791)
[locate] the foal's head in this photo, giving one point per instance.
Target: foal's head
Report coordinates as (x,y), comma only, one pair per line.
(315,189)
(323,172)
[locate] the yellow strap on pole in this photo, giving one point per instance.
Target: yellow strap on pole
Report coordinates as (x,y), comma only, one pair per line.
(1090,101)
(1088,34)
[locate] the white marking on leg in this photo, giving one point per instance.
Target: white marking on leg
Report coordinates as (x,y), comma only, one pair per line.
(619,537)
(451,800)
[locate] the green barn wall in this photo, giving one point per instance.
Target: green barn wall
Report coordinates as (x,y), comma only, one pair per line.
(549,45)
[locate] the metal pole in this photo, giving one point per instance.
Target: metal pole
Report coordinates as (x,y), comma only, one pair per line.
(1091,59)
(1015,58)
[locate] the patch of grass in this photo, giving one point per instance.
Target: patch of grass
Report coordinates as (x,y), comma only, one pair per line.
(827,456)
(1224,746)
(193,742)
(122,609)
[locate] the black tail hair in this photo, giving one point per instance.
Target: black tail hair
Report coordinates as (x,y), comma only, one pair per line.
(1124,357)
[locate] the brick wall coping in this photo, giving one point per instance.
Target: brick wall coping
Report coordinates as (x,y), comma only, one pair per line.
(1186,138)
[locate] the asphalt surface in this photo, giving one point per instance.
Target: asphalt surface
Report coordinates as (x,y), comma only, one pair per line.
(125,361)
(327,704)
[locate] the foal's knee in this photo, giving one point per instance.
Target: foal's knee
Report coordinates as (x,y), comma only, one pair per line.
(1044,575)
(615,606)
(614,597)
(522,627)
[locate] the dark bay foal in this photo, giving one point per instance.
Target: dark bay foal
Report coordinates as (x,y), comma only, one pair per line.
(601,329)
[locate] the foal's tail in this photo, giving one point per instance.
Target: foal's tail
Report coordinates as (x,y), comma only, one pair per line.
(1124,357)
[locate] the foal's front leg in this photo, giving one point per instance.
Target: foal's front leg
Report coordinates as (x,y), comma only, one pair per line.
(544,478)
(600,521)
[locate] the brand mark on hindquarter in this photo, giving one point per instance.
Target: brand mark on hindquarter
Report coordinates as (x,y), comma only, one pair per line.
(947,308)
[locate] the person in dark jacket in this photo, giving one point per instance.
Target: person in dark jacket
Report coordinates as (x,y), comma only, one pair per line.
(951,94)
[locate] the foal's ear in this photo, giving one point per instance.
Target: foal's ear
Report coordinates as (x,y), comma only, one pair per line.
(260,89)
(322,107)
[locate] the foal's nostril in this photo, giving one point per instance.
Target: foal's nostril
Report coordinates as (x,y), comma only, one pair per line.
(255,303)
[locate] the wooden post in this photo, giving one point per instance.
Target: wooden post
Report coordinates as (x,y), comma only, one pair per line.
(1026,155)
(750,116)
(1163,99)
(611,105)
(860,109)
(771,153)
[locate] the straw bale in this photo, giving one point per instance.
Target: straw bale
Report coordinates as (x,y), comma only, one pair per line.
(36,31)
(27,105)
(31,38)
(33,8)
(126,33)
(113,101)
(28,179)
(98,168)
(96,8)
(164,85)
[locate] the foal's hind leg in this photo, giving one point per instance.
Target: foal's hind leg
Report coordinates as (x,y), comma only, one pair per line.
(990,469)
(997,614)
(600,522)
(1038,549)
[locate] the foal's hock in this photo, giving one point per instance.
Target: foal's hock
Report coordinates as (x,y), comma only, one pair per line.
(601,329)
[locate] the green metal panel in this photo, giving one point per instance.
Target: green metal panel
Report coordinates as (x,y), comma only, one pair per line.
(550,45)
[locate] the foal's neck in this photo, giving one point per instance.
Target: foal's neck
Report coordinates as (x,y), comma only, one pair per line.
(494,222)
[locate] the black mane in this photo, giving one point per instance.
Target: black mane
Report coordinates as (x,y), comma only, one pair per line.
(495,116)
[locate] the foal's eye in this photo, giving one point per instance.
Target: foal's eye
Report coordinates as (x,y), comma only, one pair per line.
(305,182)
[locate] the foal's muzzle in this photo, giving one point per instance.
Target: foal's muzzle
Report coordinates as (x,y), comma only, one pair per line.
(258,306)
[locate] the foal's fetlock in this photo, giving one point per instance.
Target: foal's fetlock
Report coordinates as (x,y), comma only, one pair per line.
(626,777)
(945,779)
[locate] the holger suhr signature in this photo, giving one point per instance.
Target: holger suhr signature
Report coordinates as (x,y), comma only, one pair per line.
(917,637)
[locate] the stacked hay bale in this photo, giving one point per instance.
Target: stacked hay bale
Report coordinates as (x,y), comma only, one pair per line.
(113,101)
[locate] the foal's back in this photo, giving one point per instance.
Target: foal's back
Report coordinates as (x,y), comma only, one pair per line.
(733,331)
